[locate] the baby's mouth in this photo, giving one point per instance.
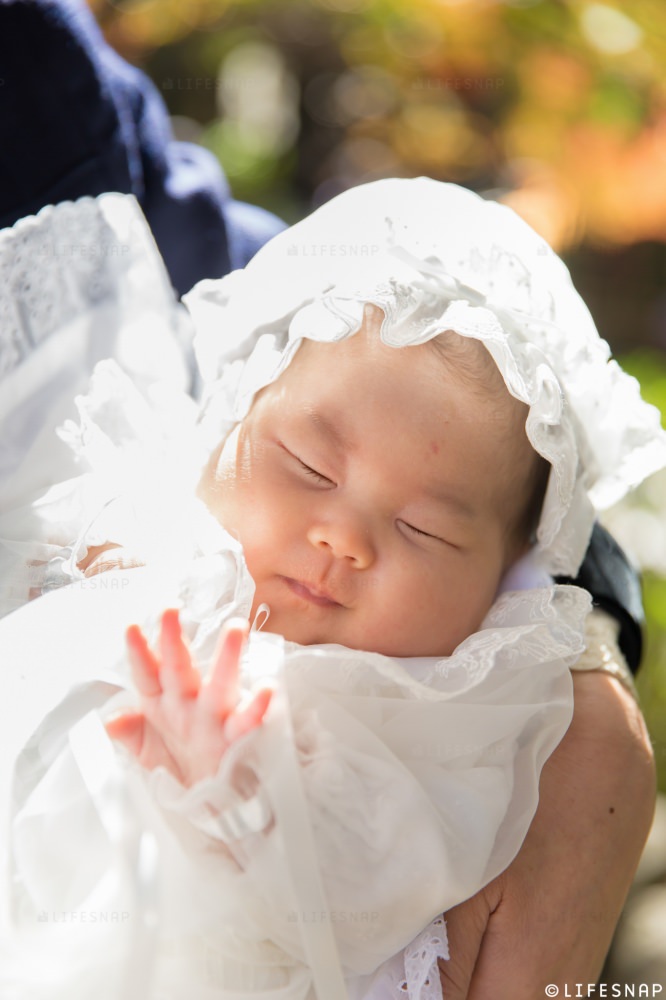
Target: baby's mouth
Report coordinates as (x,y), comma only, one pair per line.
(312,594)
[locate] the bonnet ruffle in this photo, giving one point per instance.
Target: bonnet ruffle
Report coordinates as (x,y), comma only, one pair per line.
(436,257)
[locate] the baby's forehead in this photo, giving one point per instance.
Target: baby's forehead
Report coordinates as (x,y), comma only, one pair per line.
(368,363)
(466,357)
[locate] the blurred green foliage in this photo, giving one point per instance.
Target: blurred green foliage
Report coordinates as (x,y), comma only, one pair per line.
(649,367)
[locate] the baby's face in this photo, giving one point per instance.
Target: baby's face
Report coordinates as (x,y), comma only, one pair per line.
(370,489)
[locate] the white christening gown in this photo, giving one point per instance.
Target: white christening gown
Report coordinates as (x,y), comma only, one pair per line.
(377,794)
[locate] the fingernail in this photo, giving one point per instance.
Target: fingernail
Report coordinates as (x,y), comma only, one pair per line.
(170,618)
(237,624)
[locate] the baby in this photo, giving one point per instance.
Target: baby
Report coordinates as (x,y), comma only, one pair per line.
(413,441)
(380,496)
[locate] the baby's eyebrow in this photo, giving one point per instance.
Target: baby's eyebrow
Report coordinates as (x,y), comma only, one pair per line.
(460,506)
(330,428)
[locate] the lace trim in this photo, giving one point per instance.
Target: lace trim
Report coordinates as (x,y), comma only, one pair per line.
(53,267)
(538,624)
(422,981)
(61,267)
(414,974)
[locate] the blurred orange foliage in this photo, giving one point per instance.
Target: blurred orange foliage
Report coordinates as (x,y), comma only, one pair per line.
(559,106)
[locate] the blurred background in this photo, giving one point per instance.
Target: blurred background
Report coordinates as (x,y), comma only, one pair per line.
(556,107)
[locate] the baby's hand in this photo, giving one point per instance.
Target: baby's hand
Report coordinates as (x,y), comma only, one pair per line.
(184,724)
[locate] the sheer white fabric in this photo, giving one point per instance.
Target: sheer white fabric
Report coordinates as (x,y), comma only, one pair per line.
(418,778)
(80,282)
(413,804)
(388,791)
(436,257)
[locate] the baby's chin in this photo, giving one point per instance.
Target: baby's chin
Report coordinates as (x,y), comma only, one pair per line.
(304,632)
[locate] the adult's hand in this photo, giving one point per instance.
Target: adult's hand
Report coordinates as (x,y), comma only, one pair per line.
(549,918)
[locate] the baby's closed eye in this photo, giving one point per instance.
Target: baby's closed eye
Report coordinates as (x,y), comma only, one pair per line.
(420,531)
(305,467)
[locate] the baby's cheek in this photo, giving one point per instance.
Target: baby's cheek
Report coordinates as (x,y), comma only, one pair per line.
(261,532)
(410,619)
(475,601)
(457,602)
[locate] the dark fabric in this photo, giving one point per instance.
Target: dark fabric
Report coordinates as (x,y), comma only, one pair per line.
(76,119)
(615,587)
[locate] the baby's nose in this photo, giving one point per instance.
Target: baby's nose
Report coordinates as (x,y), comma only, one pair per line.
(346,539)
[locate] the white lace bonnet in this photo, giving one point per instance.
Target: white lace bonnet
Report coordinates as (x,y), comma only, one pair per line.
(436,257)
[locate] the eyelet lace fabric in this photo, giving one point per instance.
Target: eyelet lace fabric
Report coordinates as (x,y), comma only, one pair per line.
(435,257)
(421,969)
(66,262)
(413,974)
(53,266)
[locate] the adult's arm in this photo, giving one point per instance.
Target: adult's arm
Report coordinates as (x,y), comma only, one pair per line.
(549,918)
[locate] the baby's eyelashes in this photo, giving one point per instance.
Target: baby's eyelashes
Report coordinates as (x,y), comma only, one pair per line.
(314,474)
(309,470)
(419,531)
(428,537)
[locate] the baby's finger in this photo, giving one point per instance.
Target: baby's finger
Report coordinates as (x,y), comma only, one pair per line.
(177,671)
(145,668)
(128,729)
(143,742)
(222,687)
(250,717)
